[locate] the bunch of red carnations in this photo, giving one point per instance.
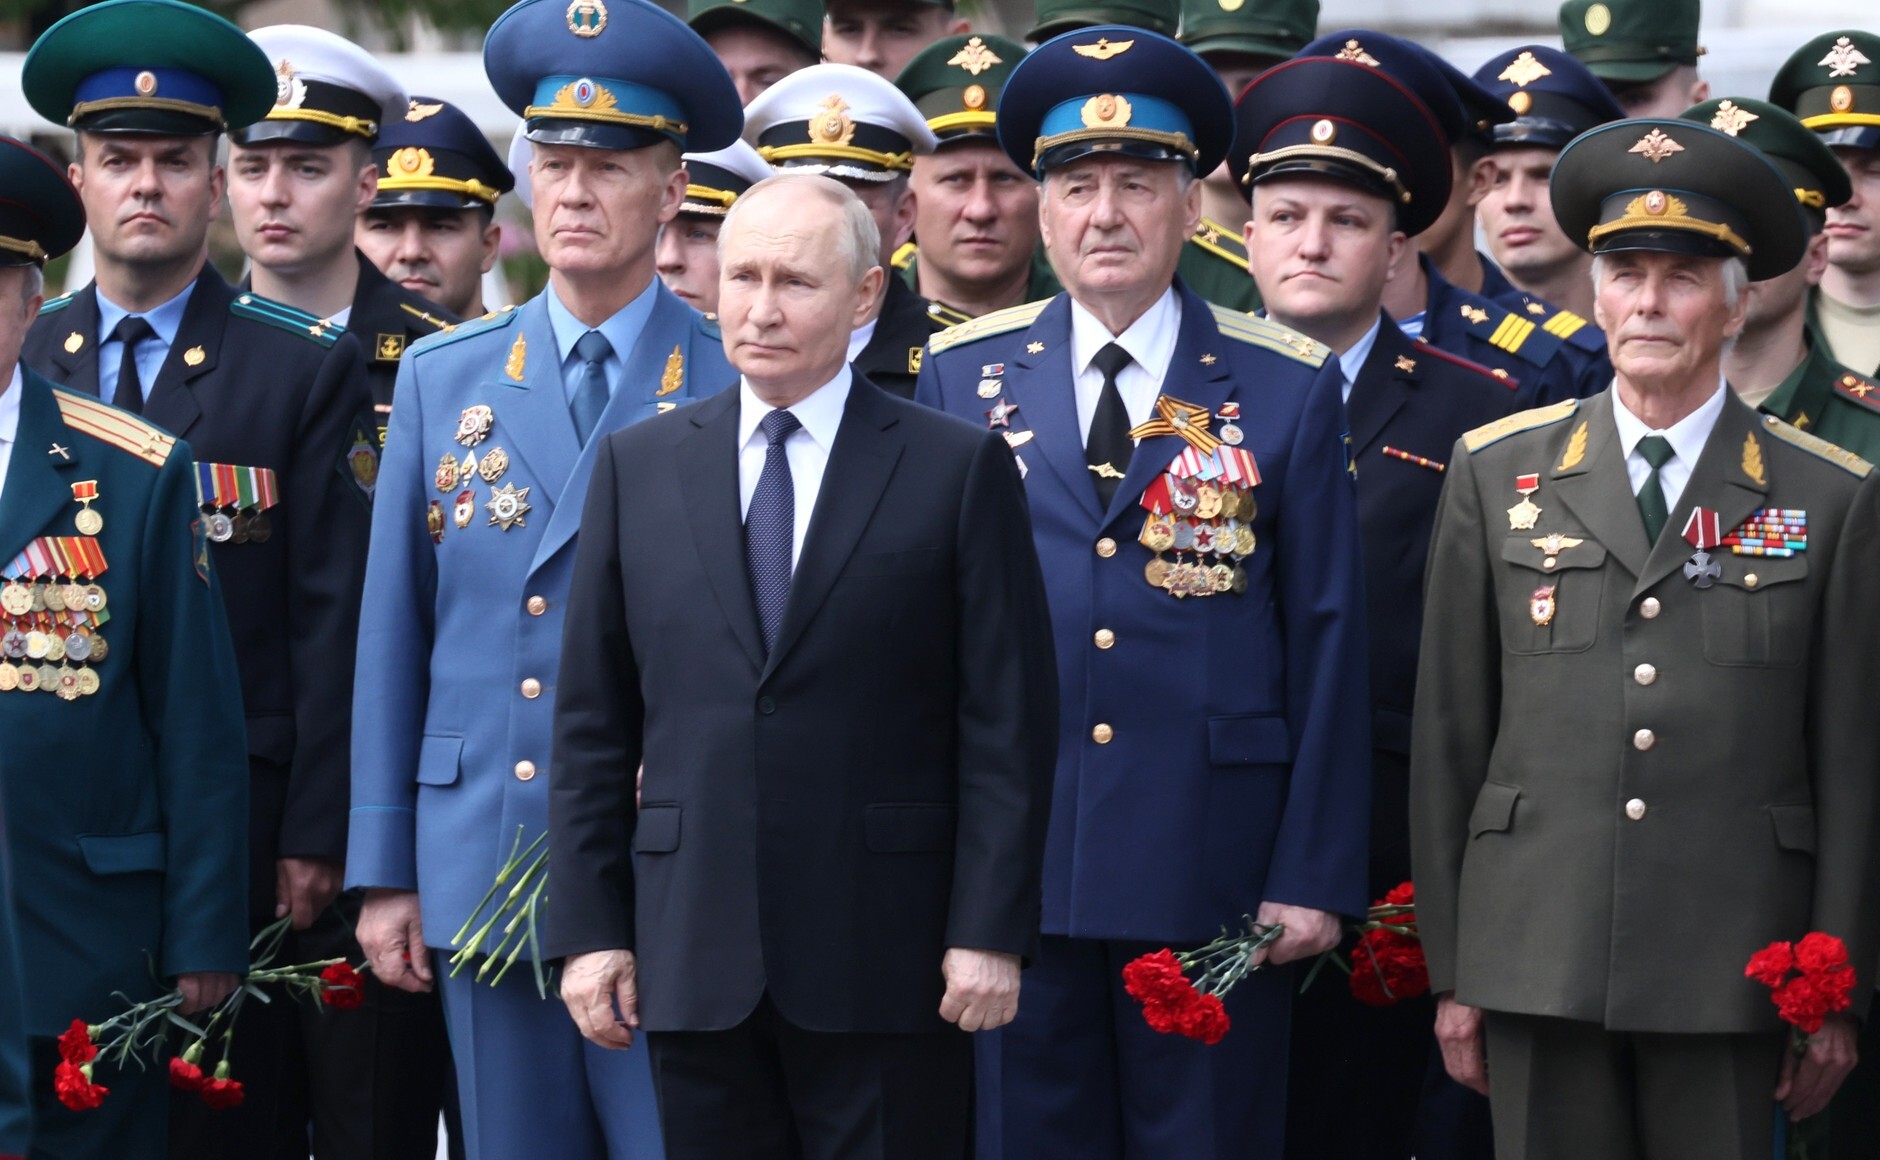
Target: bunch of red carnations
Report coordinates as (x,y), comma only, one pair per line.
(1174,1004)
(1387,965)
(1808,980)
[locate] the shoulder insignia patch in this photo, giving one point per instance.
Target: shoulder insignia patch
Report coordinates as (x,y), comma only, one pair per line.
(284,317)
(904,257)
(708,326)
(1220,241)
(495,320)
(1500,379)
(1503,329)
(424,316)
(1820,448)
(120,429)
(943,316)
(1519,421)
(986,325)
(1565,324)
(54,305)
(1859,390)
(1270,335)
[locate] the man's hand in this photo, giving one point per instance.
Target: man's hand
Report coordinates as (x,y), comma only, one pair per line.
(1308,932)
(1805,1085)
(391,932)
(204,989)
(1459,1033)
(603,996)
(304,888)
(982,988)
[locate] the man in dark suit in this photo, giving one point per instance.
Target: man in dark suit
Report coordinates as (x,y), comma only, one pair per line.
(843,703)
(269,398)
(1328,226)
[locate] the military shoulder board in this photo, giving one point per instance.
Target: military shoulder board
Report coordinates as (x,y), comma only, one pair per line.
(120,429)
(1576,331)
(904,257)
(1269,335)
(1221,242)
(1503,329)
(1841,457)
(285,317)
(1514,424)
(1862,392)
(54,305)
(426,316)
(986,325)
(494,320)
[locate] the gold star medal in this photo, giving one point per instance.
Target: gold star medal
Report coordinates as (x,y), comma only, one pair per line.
(507,505)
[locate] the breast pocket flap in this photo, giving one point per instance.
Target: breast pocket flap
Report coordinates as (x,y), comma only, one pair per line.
(1494,808)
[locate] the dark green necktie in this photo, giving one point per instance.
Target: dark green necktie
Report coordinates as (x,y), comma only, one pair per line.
(1655,450)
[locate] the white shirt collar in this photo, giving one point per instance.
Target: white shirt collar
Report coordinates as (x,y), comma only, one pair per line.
(1352,361)
(1687,436)
(10,409)
(1150,340)
(820,412)
(861,336)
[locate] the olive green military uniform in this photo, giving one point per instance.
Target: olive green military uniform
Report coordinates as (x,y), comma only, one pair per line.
(1826,399)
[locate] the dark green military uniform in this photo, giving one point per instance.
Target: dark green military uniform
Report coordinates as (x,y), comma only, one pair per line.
(1826,399)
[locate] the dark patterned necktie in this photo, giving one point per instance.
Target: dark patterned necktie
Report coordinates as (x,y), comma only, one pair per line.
(770,527)
(1109,447)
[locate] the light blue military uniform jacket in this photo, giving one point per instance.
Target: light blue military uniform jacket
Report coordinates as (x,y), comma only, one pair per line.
(461,628)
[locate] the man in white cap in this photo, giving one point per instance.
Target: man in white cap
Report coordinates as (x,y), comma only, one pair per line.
(847,123)
(687,258)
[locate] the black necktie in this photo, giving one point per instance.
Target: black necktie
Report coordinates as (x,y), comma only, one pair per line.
(1109,447)
(590,395)
(130,331)
(770,527)
(1655,450)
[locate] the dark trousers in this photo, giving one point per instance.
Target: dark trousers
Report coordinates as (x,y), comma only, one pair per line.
(770,1090)
(127,1126)
(1566,1090)
(365,1084)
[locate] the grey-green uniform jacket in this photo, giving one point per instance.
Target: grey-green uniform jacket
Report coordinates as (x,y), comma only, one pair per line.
(1623,785)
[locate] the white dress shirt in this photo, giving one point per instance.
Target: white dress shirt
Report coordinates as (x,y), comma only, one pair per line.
(807,448)
(9,425)
(1352,361)
(861,336)
(1150,341)
(1687,437)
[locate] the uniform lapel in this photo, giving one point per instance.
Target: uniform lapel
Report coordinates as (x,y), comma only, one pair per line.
(76,369)
(531,412)
(1045,390)
(866,451)
(38,481)
(711,496)
(1199,372)
(1722,480)
(1384,385)
(1594,484)
(172,399)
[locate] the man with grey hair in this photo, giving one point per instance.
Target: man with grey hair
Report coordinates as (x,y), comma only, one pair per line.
(1650,688)
(807,907)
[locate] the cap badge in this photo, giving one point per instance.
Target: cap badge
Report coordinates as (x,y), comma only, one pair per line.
(1841,99)
(1843,59)
(832,125)
(1657,202)
(411,162)
(74,342)
(418,112)
(289,90)
(974,97)
(1520,102)
(1524,70)
(1324,132)
(581,96)
(1231,5)
(1656,146)
(587,18)
(1106,111)
(1598,19)
(1355,51)
(1732,118)
(975,57)
(146,83)
(1103,49)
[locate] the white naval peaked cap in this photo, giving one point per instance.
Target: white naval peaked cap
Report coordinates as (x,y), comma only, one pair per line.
(327,89)
(838,120)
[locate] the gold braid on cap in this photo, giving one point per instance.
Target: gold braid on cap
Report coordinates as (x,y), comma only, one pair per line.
(362,126)
(32,250)
(1352,156)
(162,104)
(1675,215)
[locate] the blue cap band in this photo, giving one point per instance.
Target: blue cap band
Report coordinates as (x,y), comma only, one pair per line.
(604,99)
(160,88)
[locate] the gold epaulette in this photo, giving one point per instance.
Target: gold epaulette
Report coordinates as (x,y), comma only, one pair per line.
(904,257)
(1270,335)
(1856,389)
(1841,457)
(433,319)
(120,429)
(1564,324)
(1220,241)
(986,325)
(943,316)
(1519,421)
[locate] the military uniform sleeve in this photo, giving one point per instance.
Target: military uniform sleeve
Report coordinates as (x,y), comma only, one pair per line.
(394,656)
(191,692)
(1457,706)
(1322,849)
(16,1099)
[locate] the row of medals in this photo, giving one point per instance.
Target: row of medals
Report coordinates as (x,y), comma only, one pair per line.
(1209,520)
(37,654)
(237,525)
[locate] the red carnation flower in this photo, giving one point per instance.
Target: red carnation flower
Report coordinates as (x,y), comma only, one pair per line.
(186,1076)
(1387,968)
(1820,952)
(1403,894)
(1769,965)
(75,1045)
(1204,1019)
(72,1083)
(344,989)
(221,1093)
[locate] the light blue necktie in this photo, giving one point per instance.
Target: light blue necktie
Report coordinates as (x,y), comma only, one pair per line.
(590,396)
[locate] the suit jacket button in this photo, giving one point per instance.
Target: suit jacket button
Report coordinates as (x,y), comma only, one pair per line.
(1106,547)
(1645,674)
(525,770)
(537,606)
(1644,739)
(1105,638)
(531,688)
(1635,809)
(766,706)
(1102,734)
(1649,608)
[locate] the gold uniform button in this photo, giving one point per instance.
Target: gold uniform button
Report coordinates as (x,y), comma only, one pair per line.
(537,606)
(531,688)
(1635,809)
(1644,739)
(1649,608)
(1106,547)
(1749,580)
(525,770)
(1105,638)
(1102,734)
(1645,674)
